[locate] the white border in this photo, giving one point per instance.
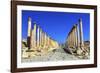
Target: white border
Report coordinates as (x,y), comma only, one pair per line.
(59,63)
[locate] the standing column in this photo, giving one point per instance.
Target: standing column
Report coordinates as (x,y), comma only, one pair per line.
(73,38)
(78,38)
(33,37)
(45,39)
(42,41)
(76,43)
(74,32)
(49,42)
(71,42)
(29,33)
(46,42)
(38,36)
(81,34)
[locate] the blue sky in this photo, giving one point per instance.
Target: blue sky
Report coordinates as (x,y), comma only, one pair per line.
(56,24)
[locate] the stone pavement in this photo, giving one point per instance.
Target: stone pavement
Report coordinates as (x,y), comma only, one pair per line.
(57,55)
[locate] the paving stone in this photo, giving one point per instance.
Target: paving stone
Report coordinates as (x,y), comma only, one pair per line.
(57,55)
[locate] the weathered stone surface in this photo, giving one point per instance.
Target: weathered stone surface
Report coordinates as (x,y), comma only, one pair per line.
(58,55)
(79,51)
(41,47)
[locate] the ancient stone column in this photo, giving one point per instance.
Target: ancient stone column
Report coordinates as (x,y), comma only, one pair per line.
(81,34)
(29,33)
(70,39)
(49,42)
(38,36)
(71,42)
(35,35)
(33,38)
(45,39)
(42,39)
(75,36)
(78,38)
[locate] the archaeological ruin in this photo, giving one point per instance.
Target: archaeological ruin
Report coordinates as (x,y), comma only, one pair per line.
(39,42)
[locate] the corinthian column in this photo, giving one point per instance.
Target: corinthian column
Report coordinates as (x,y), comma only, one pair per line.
(81,33)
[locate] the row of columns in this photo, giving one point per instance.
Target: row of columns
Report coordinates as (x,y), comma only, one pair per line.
(72,37)
(75,37)
(37,39)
